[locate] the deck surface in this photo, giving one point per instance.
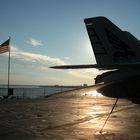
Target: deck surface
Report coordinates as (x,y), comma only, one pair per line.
(68,117)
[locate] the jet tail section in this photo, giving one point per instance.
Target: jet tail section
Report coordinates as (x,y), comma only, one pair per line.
(110,44)
(113,48)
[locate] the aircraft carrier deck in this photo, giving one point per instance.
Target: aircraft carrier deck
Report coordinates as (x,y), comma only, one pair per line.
(68,116)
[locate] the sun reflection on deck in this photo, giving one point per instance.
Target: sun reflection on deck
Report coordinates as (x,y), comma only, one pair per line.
(94,93)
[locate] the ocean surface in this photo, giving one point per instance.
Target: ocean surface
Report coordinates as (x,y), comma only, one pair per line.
(32,91)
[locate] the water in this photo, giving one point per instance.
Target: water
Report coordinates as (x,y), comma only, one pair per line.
(31,91)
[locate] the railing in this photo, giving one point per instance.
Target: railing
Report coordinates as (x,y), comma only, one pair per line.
(38,92)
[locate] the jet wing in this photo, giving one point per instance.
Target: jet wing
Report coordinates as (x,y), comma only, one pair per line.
(101,66)
(74,66)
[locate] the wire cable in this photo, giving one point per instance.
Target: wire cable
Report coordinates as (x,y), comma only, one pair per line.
(108,116)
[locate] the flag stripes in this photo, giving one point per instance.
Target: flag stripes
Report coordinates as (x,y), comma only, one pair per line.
(4,47)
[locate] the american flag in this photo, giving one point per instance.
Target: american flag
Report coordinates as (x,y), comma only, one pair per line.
(4,47)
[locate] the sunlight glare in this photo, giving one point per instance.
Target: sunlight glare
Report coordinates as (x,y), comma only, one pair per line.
(94,93)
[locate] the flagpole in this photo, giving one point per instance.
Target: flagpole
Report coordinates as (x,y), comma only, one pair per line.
(9,68)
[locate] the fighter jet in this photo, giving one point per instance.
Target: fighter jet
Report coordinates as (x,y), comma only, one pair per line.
(117,52)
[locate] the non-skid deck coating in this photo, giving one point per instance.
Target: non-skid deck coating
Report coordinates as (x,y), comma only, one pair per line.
(68,117)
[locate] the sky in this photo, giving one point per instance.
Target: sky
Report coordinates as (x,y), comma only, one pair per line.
(46,33)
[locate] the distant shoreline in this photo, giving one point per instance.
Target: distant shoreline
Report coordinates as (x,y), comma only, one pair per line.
(65,86)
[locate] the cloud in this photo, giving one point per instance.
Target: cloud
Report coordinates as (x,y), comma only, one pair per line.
(36,58)
(44,61)
(84,74)
(79,74)
(35,42)
(67,58)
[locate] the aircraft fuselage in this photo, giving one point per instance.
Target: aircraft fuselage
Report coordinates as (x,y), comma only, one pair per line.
(124,84)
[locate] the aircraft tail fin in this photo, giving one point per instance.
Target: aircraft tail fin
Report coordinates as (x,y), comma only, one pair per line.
(110,44)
